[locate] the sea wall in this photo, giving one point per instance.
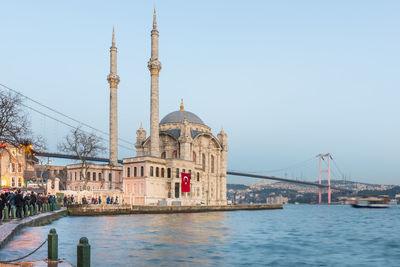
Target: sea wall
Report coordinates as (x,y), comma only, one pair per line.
(96,210)
(9,229)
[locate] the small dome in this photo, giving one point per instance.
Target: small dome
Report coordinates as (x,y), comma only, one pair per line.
(178,117)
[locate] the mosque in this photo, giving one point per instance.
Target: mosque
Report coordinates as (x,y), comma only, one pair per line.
(180,163)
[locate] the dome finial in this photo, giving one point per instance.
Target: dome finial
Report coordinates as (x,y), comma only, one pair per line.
(182,107)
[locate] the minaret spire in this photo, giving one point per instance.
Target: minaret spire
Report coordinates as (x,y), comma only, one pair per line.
(154,19)
(154,66)
(113,80)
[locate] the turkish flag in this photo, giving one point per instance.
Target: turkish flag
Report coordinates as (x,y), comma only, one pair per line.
(185,185)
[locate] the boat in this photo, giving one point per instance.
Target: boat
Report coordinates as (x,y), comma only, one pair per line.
(380,201)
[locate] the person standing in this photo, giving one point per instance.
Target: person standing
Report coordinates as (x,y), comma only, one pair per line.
(19,203)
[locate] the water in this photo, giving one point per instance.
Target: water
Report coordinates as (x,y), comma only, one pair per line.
(295,236)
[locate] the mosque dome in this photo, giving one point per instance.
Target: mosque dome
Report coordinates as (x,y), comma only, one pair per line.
(178,117)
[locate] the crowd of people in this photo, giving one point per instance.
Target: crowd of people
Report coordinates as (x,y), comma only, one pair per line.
(18,199)
(68,200)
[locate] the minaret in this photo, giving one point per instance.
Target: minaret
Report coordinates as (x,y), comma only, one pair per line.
(113,80)
(154,66)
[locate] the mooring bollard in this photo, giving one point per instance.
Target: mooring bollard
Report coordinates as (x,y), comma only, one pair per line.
(26,211)
(6,218)
(52,241)
(30,210)
(83,253)
(13,212)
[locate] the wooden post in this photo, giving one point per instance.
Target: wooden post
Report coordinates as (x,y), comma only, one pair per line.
(83,253)
(52,241)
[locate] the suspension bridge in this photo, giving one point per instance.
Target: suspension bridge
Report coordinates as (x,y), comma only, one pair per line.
(70,122)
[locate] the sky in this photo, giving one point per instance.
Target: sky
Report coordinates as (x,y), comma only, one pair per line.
(287,80)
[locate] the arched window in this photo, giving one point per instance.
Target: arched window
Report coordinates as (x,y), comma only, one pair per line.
(163,155)
(174,154)
(141,171)
(194,156)
(151,171)
(212,164)
(157,172)
(19,167)
(128,172)
(162,172)
(94,176)
(134,171)
(169,172)
(204,162)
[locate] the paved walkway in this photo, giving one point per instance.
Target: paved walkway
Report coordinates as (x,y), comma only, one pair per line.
(7,229)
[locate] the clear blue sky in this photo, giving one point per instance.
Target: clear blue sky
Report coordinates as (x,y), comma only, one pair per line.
(286,79)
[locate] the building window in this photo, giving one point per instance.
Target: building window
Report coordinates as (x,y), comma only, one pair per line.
(212,164)
(134,172)
(169,172)
(88,176)
(75,176)
(19,168)
(204,162)
(110,177)
(163,155)
(174,154)
(141,171)
(162,172)
(157,172)
(190,171)
(128,172)
(70,176)
(99,176)
(13,167)
(13,181)
(194,157)
(151,171)
(177,173)
(198,177)
(94,176)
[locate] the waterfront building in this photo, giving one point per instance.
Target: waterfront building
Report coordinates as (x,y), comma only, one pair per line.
(180,143)
(16,163)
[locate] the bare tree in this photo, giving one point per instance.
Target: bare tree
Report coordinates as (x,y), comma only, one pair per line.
(83,145)
(14,123)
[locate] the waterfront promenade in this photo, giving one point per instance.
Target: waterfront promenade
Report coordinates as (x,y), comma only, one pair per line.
(10,228)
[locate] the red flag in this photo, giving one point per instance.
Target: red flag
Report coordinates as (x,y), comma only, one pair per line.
(185,182)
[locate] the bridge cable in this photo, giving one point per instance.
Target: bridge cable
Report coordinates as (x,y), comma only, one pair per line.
(62,114)
(67,124)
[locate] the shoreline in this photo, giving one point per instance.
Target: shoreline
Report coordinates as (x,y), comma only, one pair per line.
(10,228)
(100,210)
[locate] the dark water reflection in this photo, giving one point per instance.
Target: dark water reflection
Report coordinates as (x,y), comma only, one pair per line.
(295,236)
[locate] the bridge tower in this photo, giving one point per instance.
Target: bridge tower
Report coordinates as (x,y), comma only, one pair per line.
(321,158)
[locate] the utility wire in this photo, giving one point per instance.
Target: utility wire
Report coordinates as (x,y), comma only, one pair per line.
(62,114)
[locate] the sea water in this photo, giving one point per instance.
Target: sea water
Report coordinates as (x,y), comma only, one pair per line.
(298,235)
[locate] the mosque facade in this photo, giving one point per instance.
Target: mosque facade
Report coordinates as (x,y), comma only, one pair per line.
(179,145)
